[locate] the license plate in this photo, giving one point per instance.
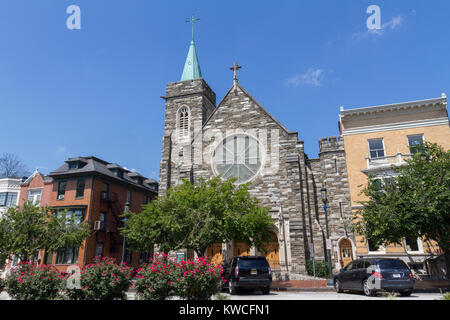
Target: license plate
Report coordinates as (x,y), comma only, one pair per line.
(396,275)
(254,272)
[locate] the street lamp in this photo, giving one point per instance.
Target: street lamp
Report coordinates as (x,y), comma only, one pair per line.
(126,209)
(323,194)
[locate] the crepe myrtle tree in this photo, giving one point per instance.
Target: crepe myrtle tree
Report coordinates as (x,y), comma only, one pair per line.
(416,202)
(28,229)
(194,216)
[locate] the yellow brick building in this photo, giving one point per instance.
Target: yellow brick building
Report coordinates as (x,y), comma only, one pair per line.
(377,138)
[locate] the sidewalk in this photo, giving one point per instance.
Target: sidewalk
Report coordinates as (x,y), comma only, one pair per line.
(301,285)
(431,286)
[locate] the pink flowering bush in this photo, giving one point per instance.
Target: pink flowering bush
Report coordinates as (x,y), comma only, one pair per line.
(164,278)
(102,280)
(200,279)
(29,281)
(158,279)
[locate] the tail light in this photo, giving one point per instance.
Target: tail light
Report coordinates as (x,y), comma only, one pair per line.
(411,275)
(236,271)
(377,275)
(270,272)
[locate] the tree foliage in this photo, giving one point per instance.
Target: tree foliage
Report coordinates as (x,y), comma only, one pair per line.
(28,229)
(416,203)
(194,216)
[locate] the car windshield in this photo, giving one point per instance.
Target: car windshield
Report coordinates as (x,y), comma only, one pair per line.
(253,263)
(392,264)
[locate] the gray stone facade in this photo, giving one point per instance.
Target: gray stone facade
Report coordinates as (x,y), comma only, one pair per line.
(288,182)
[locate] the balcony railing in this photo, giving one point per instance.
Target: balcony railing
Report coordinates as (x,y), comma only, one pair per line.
(387,161)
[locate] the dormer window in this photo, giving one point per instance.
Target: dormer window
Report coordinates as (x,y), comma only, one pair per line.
(76,164)
(73,165)
(119,173)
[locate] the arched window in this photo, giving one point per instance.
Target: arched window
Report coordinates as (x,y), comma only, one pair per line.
(183,123)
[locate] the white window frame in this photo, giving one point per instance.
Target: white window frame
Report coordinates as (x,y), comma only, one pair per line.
(183,134)
(419,245)
(411,135)
(384,149)
(381,249)
(33,200)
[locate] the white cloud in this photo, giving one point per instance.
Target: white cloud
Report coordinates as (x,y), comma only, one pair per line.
(392,24)
(312,77)
(61,150)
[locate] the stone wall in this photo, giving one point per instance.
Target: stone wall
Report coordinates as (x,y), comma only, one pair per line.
(289,183)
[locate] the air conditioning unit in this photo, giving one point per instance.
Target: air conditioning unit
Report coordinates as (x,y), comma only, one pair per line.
(98,225)
(60,197)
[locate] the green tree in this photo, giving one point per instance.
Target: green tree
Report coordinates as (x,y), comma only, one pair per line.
(194,216)
(28,229)
(415,204)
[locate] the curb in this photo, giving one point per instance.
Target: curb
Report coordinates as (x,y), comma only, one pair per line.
(330,289)
(432,290)
(304,289)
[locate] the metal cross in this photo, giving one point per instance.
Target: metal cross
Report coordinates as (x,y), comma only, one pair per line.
(235,68)
(193,20)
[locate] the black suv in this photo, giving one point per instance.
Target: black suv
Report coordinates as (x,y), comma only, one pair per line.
(249,272)
(375,274)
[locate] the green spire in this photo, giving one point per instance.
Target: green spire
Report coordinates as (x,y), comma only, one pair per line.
(191,67)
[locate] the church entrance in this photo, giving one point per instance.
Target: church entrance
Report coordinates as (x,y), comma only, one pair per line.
(241,249)
(346,252)
(214,253)
(272,252)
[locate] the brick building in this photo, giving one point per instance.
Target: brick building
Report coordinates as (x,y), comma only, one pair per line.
(37,189)
(96,191)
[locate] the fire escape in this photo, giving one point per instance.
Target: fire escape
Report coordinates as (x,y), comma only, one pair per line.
(112,201)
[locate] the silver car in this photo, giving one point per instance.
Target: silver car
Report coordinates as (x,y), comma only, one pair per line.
(373,275)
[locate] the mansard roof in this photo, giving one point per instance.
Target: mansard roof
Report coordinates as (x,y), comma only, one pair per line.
(95,165)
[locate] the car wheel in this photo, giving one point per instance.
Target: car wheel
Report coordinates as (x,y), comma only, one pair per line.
(367,291)
(233,289)
(338,286)
(406,293)
(266,290)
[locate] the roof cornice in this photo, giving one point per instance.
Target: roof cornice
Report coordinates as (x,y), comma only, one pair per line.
(394,107)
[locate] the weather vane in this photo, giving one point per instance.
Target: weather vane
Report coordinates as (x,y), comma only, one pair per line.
(193,20)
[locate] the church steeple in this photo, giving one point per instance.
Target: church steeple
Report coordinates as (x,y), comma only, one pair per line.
(192,66)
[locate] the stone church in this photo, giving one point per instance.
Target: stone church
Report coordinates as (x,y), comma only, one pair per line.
(238,137)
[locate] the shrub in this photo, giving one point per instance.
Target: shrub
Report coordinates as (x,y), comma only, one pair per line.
(28,281)
(322,270)
(164,278)
(200,280)
(102,280)
(446,296)
(2,284)
(158,280)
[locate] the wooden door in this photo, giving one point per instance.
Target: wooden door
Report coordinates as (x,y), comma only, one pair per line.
(214,253)
(241,249)
(346,252)
(272,252)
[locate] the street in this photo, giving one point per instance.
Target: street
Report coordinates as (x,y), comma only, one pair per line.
(295,295)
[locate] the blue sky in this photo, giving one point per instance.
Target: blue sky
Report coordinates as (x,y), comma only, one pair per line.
(96,91)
